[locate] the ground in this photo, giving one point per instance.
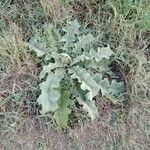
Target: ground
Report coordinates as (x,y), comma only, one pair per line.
(125,26)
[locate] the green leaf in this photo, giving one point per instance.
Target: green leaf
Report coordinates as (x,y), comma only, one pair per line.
(61,114)
(100,66)
(48,69)
(88,106)
(65,58)
(116,88)
(112,89)
(102,53)
(70,36)
(52,37)
(39,48)
(49,93)
(83,43)
(86,80)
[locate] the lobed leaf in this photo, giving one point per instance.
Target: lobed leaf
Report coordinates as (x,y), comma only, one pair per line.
(88,106)
(48,69)
(70,35)
(39,48)
(49,94)
(86,80)
(83,43)
(102,53)
(110,90)
(61,114)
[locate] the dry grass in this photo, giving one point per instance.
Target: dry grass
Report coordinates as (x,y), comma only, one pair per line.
(54,10)
(124,127)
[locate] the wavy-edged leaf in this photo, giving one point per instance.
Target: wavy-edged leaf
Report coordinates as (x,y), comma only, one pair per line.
(100,54)
(61,114)
(39,48)
(49,94)
(88,106)
(116,87)
(104,52)
(48,69)
(83,43)
(70,36)
(111,89)
(100,66)
(53,36)
(86,80)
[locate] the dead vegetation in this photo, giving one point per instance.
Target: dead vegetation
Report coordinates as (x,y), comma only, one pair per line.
(118,127)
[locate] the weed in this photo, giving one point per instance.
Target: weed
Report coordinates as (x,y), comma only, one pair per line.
(70,68)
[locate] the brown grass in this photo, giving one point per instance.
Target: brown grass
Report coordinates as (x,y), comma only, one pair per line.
(124,127)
